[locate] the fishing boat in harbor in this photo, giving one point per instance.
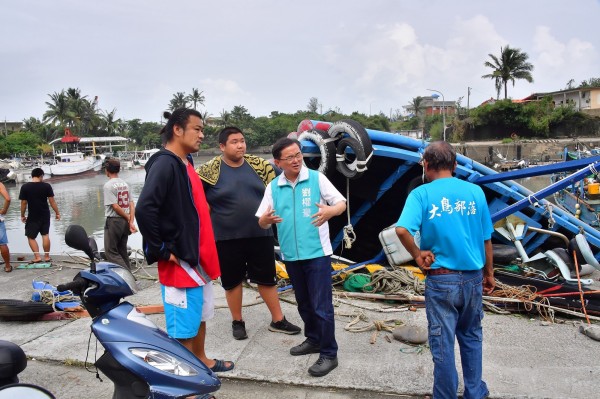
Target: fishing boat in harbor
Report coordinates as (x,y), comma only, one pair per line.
(80,155)
(144,156)
(377,170)
(581,197)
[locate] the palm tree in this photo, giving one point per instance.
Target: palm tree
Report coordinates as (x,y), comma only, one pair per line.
(109,123)
(196,97)
(511,65)
(416,105)
(225,118)
(58,109)
(179,100)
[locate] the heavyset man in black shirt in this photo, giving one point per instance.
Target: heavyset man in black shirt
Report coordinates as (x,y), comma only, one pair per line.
(234,184)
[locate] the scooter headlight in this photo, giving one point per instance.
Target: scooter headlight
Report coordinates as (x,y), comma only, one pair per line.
(164,362)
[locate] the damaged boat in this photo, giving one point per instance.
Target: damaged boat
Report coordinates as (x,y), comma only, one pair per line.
(536,243)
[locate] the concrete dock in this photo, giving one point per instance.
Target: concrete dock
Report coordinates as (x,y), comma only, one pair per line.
(524,357)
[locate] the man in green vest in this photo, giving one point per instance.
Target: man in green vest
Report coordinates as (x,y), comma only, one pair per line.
(301,201)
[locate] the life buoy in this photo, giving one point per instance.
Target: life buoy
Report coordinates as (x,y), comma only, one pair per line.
(305,125)
(326,162)
(349,127)
(351,165)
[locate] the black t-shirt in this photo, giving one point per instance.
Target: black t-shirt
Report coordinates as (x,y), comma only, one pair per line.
(233,202)
(36,194)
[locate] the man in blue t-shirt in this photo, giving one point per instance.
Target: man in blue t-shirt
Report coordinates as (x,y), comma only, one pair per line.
(455,252)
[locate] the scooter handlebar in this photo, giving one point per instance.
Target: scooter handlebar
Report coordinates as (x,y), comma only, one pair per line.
(77,285)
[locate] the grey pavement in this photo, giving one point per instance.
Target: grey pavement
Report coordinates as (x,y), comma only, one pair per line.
(523,357)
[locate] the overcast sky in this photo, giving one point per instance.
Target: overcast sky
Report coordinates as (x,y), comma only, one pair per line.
(273,55)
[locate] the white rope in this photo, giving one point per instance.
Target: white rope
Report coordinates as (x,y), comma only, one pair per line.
(551,220)
(536,203)
(349,235)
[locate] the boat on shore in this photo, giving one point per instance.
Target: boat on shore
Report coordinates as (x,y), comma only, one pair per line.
(80,155)
(143,156)
(377,170)
(73,163)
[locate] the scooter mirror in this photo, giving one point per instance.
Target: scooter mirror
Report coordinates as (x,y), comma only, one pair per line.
(24,391)
(77,238)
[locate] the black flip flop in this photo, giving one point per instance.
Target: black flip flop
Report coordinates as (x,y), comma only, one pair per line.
(221,365)
(8,270)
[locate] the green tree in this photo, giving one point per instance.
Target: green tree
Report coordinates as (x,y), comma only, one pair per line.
(240,117)
(591,82)
(179,100)
(225,118)
(313,105)
(196,97)
(58,112)
(23,142)
(109,123)
(511,65)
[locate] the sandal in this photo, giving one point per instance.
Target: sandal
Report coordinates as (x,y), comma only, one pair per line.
(33,261)
(221,365)
(8,269)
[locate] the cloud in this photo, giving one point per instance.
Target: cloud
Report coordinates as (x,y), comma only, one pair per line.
(553,59)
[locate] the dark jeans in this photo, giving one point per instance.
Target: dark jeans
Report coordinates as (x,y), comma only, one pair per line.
(311,279)
(116,233)
(453,307)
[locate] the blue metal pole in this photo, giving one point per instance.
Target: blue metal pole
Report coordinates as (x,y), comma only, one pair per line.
(551,189)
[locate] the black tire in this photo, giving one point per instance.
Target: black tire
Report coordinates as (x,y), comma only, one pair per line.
(326,163)
(563,254)
(356,131)
(504,254)
(348,164)
(13,309)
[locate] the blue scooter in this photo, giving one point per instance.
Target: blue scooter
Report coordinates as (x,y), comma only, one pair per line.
(139,358)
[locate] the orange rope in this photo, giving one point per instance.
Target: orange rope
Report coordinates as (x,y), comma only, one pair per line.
(580,290)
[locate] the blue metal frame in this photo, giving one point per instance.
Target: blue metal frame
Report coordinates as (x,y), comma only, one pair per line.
(408,149)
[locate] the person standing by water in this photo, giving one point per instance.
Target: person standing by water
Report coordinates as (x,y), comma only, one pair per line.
(35,197)
(301,201)
(234,183)
(3,236)
(174,220)
(119,210)
(454,222)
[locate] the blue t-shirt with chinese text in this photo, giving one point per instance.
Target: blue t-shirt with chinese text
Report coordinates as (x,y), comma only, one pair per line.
(454,221)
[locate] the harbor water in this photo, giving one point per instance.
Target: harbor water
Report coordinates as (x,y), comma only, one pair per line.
(80,201)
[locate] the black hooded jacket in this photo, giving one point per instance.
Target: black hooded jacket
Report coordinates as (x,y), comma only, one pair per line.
(165,211)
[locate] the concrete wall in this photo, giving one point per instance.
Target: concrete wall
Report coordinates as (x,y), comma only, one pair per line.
(534,150)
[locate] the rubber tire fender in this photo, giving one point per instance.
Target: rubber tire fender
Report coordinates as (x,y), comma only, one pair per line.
(326,147)
(504,254)
(354,130)
(15,309)
(348,166)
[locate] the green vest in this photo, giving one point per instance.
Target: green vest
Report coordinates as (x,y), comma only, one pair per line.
(298,238)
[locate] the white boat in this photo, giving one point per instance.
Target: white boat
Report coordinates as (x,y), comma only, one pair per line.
(145,156)
(73,163)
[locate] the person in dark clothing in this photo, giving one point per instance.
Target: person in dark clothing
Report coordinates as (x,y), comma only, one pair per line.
(174,220)
(235,183)
(35,197)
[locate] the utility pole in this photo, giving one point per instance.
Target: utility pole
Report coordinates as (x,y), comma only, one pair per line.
(468,98)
